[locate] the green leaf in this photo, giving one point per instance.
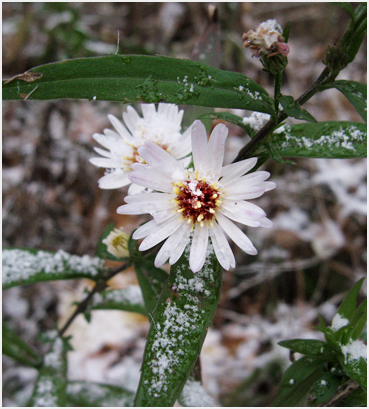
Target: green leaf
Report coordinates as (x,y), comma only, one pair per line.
(26,266)
(356,93)
(348,305)
(336,139)
(233,119)
(16,348)
(293,109)
(102,249)
(308,347)
(184,312)
(150,278)
(358,321)
(51,383)
(195,395)
(139,78)
(324,388)
(125,299)
(356,369)
(297,381)
(347,7)
(93,394)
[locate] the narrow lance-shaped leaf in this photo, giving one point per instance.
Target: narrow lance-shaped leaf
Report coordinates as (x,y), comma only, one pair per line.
(335,139)
(92,394)
(51,384)
(294,109)
(16,348)
(139,78)
(184,312)
(26,266)
(125,299)
(356,93)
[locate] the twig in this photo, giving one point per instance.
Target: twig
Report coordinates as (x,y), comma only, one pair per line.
(100,286)
(342,392)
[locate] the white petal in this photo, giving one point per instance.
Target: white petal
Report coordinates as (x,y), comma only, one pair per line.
(183,241)
(215,150)
(156,156)
(269,186)
(106,162)
(163,231)
(183,146)
(253,178)
(118,126)
(233,171)
(199,143)
(199,246)
(240,238)
(134,189)
(222,248)
(148,110)
(103,152)
(149,197)
(266,223)
(247,193)
(152,179)
(114,180)
(144,230)
(242,208)
(173,246)
(127,137)
(132,119)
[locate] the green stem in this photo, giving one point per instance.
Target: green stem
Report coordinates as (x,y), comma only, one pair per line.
(277,90)
(323,82)
(99,286)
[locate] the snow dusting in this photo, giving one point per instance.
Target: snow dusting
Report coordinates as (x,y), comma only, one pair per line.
(19,265)
(338,322)
(131,294)
(194,394)
(354,350)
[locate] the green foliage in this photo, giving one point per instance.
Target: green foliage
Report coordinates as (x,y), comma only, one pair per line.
(16,348)
(333,139)
(139,78)
(183,313)
(293,109)
(125,299)
(26,266)
(356,93)
(327,365)
(51,383)
(93,394)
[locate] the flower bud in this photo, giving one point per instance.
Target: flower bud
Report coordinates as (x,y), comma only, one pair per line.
(117,243)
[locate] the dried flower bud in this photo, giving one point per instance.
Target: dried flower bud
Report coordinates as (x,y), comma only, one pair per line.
(267,40)
(117,243)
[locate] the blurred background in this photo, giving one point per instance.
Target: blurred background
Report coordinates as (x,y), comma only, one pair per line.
(51,200)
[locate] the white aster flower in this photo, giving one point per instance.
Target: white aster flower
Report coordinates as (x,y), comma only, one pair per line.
(197,203)
(162,127)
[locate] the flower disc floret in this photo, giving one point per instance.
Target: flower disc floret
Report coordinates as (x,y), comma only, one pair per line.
(198,203)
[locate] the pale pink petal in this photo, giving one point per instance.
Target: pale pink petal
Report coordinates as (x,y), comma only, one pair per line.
(199,246)
(199,143)
(246,209)
(247,193)
(253,178)
(233,171)
(149,197)
(183,146)
(222,248)
(266,223)
(240,238)
(215,150)
(154,155)
(134,189)
(183,240)
(174,245)
(163,231)
(269,186)
(151,179)
(144,230)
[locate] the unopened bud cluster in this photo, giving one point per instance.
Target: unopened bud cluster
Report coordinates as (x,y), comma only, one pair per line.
(267,40)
